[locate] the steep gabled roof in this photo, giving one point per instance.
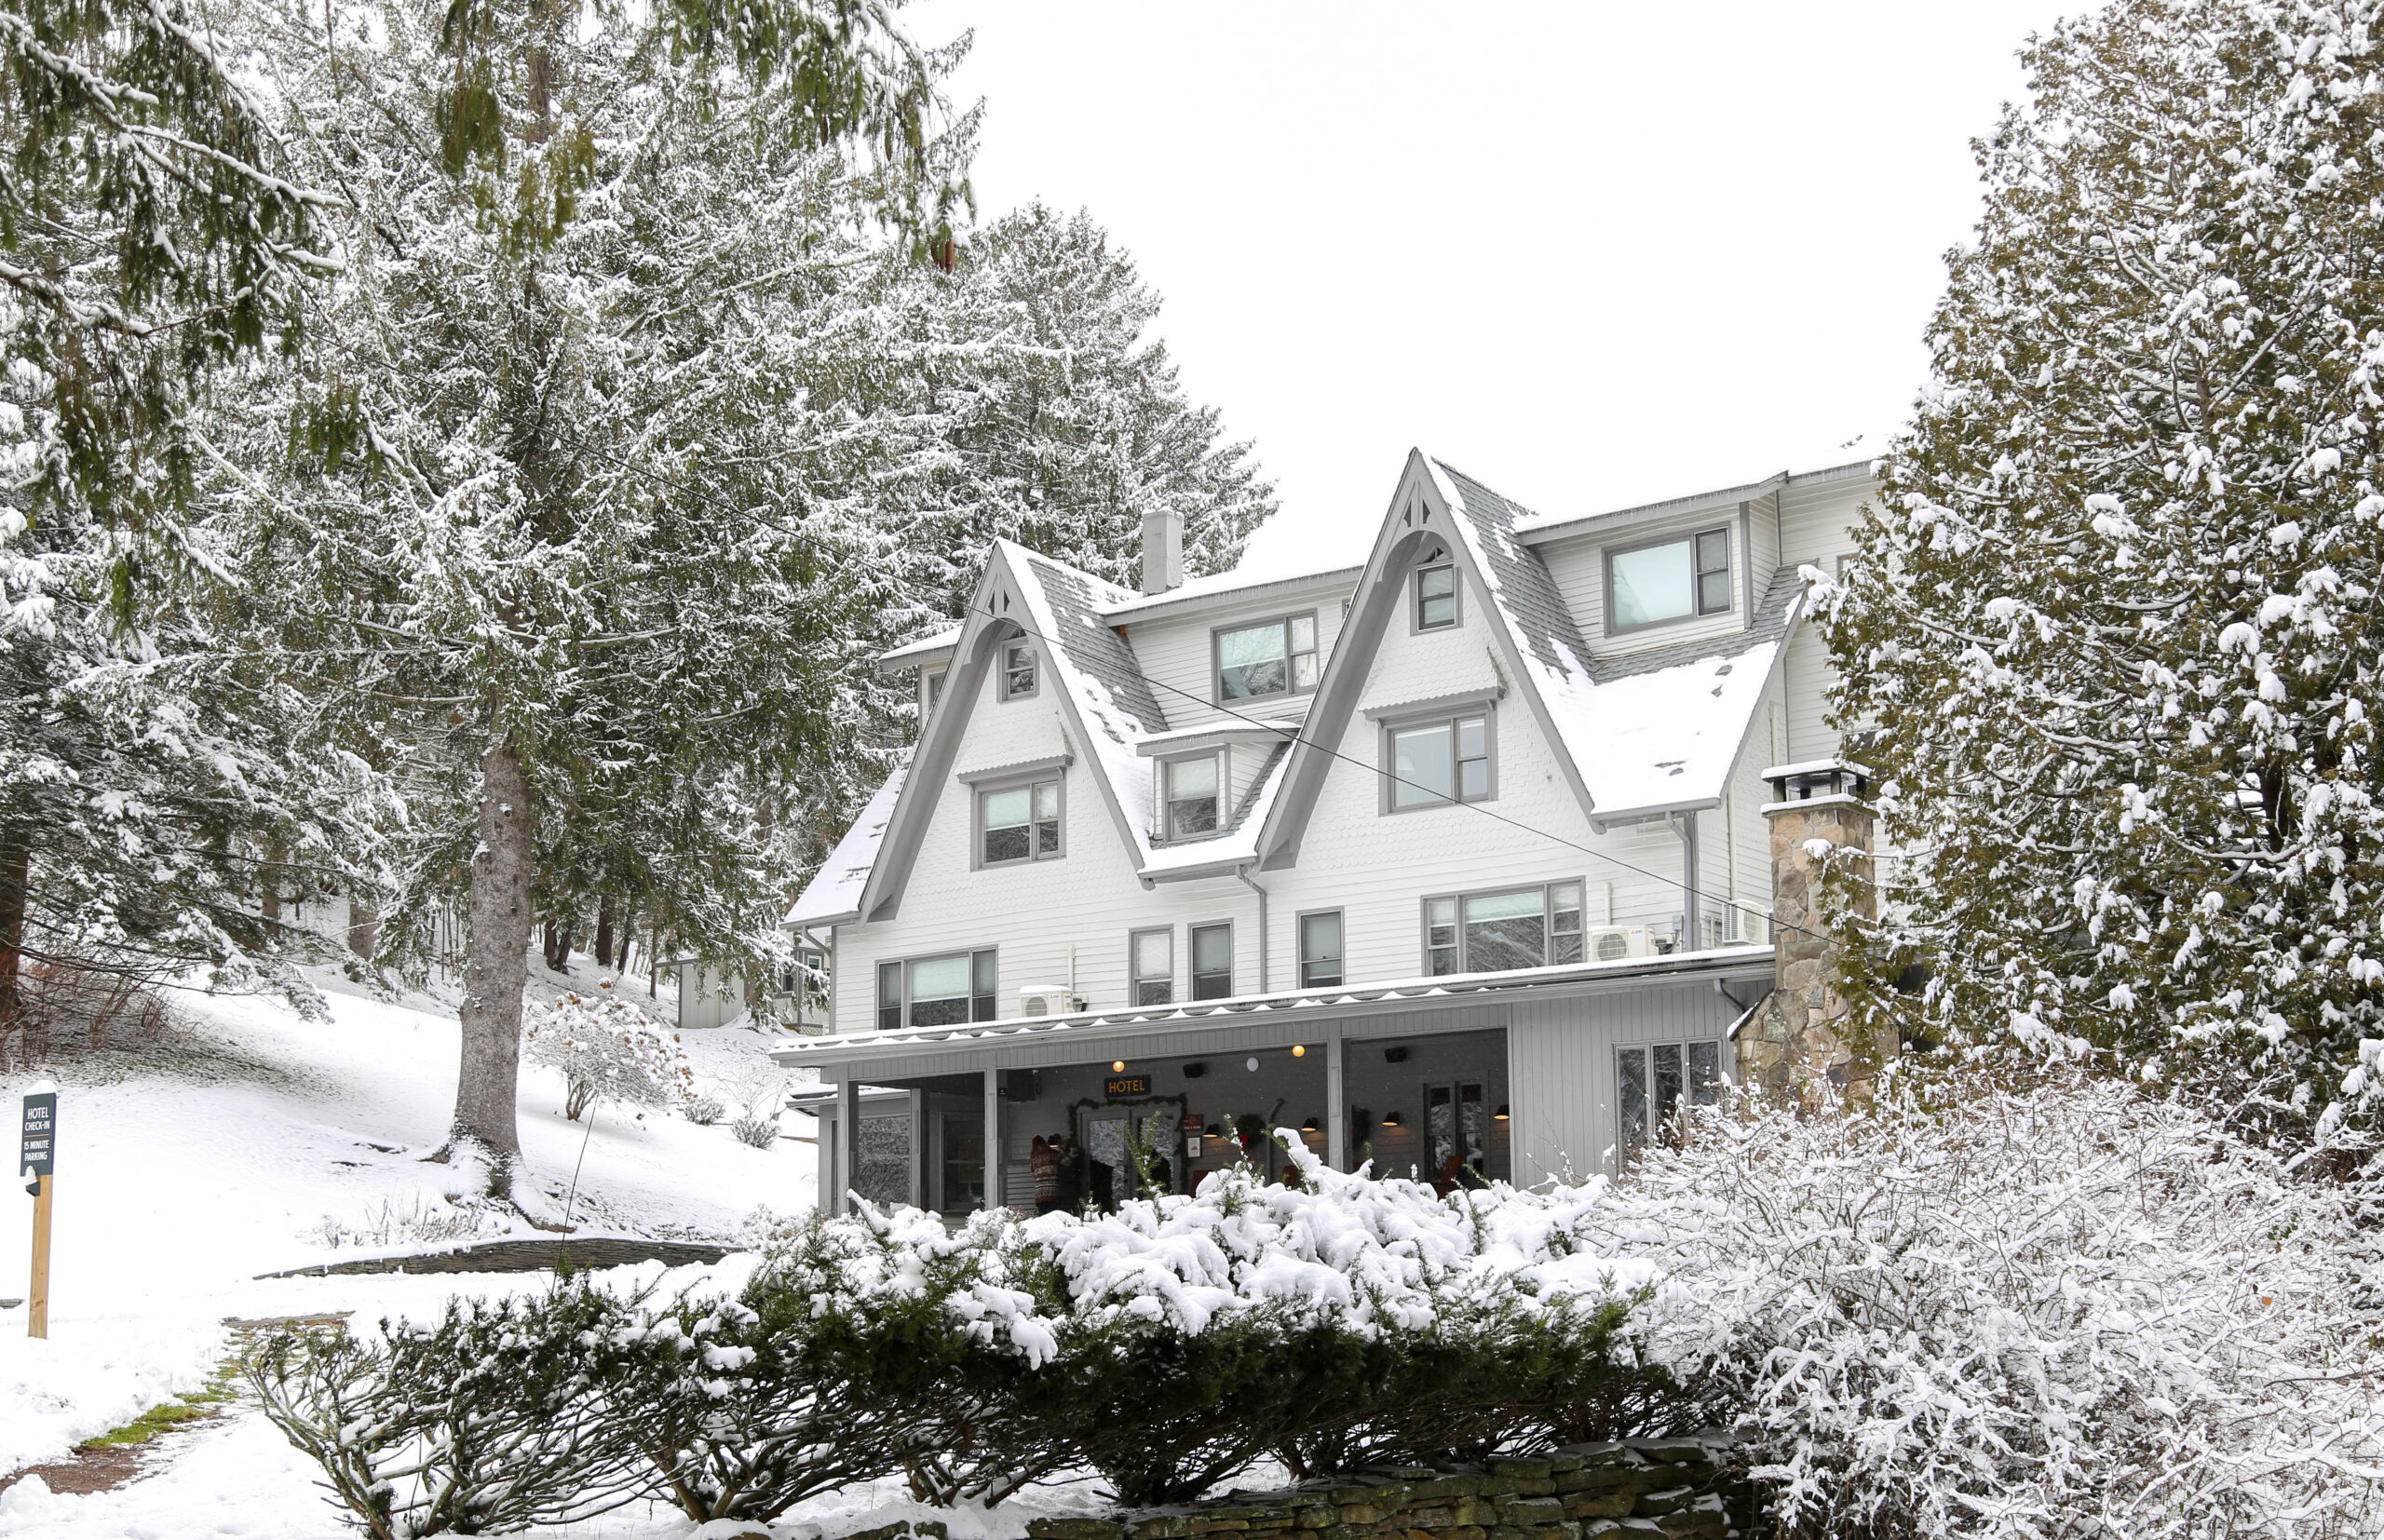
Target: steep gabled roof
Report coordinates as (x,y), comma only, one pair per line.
(833,896)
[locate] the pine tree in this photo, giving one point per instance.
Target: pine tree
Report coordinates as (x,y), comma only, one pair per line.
(554,536)
(2115,616)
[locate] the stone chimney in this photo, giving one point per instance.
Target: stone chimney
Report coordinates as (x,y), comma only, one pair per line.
(1162,551)
(1800,1041)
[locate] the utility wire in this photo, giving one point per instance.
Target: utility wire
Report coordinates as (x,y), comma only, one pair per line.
(1298,736)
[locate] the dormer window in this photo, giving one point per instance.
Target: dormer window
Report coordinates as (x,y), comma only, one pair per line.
(1436,594)
(1438,761)
(1191,791)
(1667,580)
(1019,823)
(1018,669)
(1274,657)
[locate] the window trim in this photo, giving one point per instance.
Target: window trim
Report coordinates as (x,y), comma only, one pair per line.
(1135,980)
(1416,626)
(1391,726)
(1001,667)
(1192,958)
(979,789)
(1651,1124)
(993,1002)
(1547,920)
(1696,612)
(1166,804)
(1291,674)
(1299,946)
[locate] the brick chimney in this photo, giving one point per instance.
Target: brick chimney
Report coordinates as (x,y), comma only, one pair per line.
(1162,551)
(1800,1042)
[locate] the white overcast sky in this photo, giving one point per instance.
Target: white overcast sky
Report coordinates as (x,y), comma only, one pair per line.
(1591,253)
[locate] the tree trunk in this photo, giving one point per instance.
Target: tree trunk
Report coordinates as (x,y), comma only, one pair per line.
(604,930)
(270,903)
(364,929)
(16,877)
(629,939)
(495,968)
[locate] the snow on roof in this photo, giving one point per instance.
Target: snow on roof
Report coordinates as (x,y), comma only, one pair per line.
(1646,731)
(834,890)
(925,646)
(1226,585)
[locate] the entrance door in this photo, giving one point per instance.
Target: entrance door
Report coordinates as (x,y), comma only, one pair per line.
(1456,1126)
(964,1163)
(1113,1136)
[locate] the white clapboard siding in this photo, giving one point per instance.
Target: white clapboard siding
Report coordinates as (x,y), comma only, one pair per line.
(1578,566)
(1560,1070)
(1177,656)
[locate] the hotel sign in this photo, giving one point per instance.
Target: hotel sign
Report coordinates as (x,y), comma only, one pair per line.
(1129,1085)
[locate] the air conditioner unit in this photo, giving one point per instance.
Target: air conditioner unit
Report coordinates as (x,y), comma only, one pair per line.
(1047,1000)
(1613,943)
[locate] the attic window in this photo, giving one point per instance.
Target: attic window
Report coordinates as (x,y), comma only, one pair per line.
(1668,580)
(1436,594)
(1019,823)
(1191,797)
(1018,669)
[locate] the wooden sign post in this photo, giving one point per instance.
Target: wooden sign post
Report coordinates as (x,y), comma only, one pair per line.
(37,1153)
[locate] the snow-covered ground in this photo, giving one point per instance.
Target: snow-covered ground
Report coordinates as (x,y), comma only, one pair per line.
(249,1141)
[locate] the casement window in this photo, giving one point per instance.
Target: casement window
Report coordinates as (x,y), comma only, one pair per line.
(1019,823)
(1650,1080)
(936,991)
(1274,657)
(1211,961)
(1509,929)
(1018,669)
(1152,956)
(1668,580)
(1435,595)
(1321,949)
(1435,762)
(1191,791)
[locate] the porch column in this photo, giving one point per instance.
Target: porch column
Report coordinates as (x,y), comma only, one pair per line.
(1337,1104)
(918,1149)
(992,1144)
(848,1142)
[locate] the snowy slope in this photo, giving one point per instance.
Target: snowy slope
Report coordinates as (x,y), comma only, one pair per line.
(250,1139)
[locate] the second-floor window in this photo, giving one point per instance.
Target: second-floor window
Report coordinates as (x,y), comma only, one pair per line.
(1274,657)
(1153,956)
(1018,669)
(1191,797)
(1211,962)
(1321,949)
(1019,823)
(936,991)
(1668,580)
(1509,928)
(1438,761)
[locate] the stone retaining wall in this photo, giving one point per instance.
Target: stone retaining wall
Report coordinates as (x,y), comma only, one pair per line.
(1675,1487)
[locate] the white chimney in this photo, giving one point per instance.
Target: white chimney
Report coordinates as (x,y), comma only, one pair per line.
(1162,551)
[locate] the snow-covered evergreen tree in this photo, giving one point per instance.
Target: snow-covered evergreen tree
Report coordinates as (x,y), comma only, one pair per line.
(555,535)
(2115,616)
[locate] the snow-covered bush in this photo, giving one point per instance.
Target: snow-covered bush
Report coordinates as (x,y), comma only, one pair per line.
(484,1421)
(704,1111)
(2069,1309)
(608,1050)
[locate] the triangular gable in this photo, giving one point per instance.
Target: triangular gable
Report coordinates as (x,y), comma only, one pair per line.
(1678,756)
(1103,702)
(833,896)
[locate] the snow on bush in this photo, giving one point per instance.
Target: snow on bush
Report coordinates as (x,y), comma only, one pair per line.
(2065,1310)
(608,1050)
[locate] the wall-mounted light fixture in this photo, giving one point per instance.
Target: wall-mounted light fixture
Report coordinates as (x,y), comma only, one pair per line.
(1251,1064)
(1117,1066)
(1196,1069)
(1391,1120)
(1299,1051)
(1309,1126)
(1500,1115)
(1394,1056)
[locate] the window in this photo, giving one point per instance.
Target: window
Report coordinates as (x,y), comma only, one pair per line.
(1435,595)
(1152,953)
(1512,929)
(1211,962)
(1018,669)
(1436,762)
(936,991)
(1320,949)
(1669,580)
(933,679)
(1457,1124)
(1019,823)
(1651,1079)
(1272,658)
(964,1163)
(1191,797)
